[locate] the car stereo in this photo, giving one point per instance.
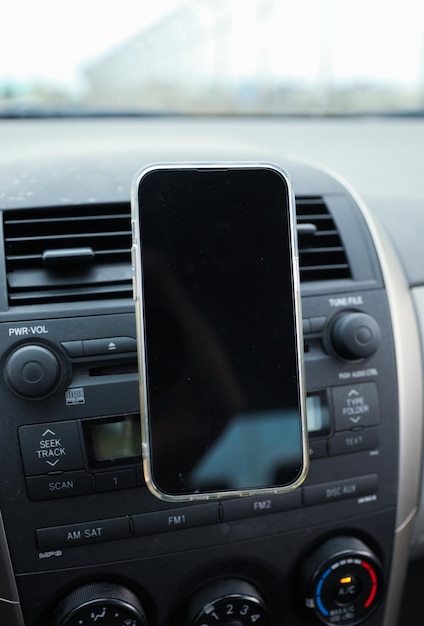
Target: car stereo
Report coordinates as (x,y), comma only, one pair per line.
(85,541)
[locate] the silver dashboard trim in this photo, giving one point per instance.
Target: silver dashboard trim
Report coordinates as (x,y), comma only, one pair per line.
(409,361)
(10,608)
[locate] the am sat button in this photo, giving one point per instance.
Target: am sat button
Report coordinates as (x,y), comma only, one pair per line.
(83,533)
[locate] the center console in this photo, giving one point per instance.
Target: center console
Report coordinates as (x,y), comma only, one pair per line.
(86,543)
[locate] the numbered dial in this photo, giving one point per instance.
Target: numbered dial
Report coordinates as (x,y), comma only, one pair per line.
(343,581)
(100,604)
(231,602)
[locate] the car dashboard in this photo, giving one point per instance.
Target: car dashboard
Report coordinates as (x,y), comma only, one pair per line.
(82,540)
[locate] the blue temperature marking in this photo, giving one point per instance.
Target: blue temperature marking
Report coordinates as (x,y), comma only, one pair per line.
(318,593)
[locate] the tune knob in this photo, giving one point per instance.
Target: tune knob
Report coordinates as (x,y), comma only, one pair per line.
(100,603)
(230,602)
(355,335)
(33,371)
(342,581)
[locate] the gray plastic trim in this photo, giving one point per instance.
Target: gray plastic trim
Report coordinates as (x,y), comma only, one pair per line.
(10,608)
(409,366)
(418,534)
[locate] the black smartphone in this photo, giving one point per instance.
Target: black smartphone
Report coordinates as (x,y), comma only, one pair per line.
(216,285)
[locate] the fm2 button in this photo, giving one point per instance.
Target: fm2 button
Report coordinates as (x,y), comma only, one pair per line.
(50,447)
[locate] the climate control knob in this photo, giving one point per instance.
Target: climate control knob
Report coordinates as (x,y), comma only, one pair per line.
(100,603)
(230,602)
(342,581)
(355,335)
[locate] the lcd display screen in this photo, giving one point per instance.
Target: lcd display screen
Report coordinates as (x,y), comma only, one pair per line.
(119,439)
(317,413)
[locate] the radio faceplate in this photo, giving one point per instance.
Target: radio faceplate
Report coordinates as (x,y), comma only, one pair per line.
(80,506)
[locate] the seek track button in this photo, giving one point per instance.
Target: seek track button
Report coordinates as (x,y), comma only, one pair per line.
(50,447)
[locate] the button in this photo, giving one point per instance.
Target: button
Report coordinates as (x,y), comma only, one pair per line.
(306,325)
(258,506)
(109,345)
(317,324)
(140,476)
(347,589)
(340,490)
(83,533)
(73,348)
(59,485)
(110,481)
(317,449)
(355,405)
(347,442)
(50,447)
(32,371)
(176,519)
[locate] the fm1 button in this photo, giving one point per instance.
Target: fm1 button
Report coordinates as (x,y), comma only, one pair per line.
(32,371)
(50,447)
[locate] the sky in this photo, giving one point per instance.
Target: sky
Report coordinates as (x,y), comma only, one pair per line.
(52,40)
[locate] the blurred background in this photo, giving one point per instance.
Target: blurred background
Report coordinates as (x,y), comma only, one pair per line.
(292,57)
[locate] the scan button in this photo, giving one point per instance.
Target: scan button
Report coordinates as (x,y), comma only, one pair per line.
(60,485)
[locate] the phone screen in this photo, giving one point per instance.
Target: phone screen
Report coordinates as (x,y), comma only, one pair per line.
(218,327)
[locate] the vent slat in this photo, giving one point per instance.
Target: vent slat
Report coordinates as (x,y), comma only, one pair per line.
(321,252)
(104,229)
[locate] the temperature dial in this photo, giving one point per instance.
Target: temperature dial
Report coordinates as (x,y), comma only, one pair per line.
(107,604)
(231,602)
(343,581)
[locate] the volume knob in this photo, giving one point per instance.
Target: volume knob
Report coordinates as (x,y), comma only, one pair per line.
(32,371)
(355,335)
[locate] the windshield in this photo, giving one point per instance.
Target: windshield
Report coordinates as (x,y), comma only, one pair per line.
(213,56)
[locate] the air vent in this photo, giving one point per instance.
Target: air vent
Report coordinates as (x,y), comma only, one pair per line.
(79,253)
(68,254)
(321,252)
